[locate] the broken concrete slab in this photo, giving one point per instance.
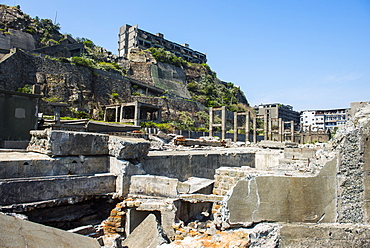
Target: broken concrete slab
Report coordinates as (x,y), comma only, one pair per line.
(285,198)
(128,148)
(198,185)
(66,143)
(149,185)
(21,233)
(153,234)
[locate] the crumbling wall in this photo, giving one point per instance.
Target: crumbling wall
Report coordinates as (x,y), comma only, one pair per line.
(352,143)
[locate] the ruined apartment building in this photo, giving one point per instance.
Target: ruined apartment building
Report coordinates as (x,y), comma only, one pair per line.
(278,110)
(133,37)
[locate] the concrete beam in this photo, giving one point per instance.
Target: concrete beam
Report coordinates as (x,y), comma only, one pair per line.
(47,188)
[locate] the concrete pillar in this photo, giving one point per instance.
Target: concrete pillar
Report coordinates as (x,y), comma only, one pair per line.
(137,114)
(36,89)
(270,128)
(57,115)
(223,119)
(265,127)
(117,114)
(121,113)
(281,129)
(247,126)
(105,114)
(210,122)
(255,129)
(235,126)
(292,130)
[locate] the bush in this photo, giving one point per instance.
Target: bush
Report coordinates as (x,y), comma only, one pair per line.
(81,61)
(164,56)
(26,89)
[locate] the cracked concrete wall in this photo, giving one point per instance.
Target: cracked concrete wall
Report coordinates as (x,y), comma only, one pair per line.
(285,198)
(182,166)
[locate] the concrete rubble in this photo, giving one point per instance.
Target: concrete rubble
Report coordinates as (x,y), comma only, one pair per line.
(270,194)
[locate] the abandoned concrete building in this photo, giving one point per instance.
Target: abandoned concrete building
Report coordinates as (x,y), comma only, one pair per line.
(133,37)
(278,110)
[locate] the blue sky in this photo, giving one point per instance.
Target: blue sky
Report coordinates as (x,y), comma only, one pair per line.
(311,54)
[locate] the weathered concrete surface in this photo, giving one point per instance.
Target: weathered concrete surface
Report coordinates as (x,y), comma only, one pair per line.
(149,185)
(123,170)
(285,198)
(21,233)
(324,235)
(352,143)
(147,234)
(30,164)
(66,143)
(185,164)
(128,148)
(46,188)
(268,158)
(197,185)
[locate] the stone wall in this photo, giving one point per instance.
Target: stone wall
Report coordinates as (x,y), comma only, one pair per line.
(82,88)
(78,86)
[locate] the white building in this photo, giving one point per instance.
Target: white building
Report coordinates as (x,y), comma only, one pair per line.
(323,120)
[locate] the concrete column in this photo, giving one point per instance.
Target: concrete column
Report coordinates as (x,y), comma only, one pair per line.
(36,89)
(137,114)
(255,129)
(210,122)
(292,130)
(281,129)
(105,114)
(235,126)
(270,128)
(121,113)
(117,114)
(223,119)
(57,115)
(247,126)
(265,120)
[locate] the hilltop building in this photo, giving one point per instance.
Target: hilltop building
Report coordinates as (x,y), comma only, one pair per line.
(323,120)
(133,37)
(278,110)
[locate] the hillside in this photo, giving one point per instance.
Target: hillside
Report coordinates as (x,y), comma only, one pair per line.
(72,71)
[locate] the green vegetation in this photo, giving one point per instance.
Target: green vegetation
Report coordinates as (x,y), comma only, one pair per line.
(136,93)
(164,56)
(212,93)
(26,89)
(52,99)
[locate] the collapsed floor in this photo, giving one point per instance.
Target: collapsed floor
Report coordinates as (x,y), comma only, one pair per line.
(255,195)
